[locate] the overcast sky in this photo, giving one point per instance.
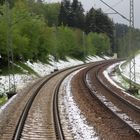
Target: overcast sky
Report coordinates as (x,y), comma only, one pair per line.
(121,6)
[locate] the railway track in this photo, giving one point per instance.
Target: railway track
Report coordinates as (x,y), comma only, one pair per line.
(50,126)
(125,110)
(40,117)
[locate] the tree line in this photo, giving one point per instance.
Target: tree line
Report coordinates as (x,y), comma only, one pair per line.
(124,49)
(38,29)
(72,15)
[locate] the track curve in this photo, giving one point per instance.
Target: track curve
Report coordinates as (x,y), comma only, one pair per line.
(100,106)
(40,118)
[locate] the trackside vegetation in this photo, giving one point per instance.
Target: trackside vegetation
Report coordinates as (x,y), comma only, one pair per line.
(34,29)
(36,32)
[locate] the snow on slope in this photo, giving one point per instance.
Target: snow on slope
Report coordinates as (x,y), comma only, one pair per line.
(125,69)
(20,81)
(42,70)
(114,77)
(117,78)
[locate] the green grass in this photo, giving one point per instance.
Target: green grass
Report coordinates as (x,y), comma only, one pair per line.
(25,67)
(137,95)
(18,70)
(3,100)
(5,71)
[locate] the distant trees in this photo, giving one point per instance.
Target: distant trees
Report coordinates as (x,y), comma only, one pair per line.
(90,23)
(64,14)
(72,15)
(77,17)
(97,21)
(98,44)
(126,50)
(11,2)
(2,2)
(121,30)
(49,12)
(35,32)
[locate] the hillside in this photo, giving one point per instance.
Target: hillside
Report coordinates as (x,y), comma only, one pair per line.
(39,70)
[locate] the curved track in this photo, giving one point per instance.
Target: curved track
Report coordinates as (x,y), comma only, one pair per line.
(113,117)
(125,110)
(108,110)
(40,116)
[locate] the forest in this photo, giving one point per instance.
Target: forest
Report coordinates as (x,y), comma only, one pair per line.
(123,46)
(33,30)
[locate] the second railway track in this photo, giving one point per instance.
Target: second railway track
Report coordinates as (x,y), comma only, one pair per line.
(108,113)
(125,110)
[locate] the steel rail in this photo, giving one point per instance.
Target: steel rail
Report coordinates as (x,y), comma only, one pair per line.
(20,125)
(93,93)
(128,103)
(56,109)
(23,117)
(137,108)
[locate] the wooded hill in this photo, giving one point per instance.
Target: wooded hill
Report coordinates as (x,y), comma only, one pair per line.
(32,30)
(123,38)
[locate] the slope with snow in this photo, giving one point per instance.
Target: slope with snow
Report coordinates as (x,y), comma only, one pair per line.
(125,69)
(117,80)
(74,121)
(42,70)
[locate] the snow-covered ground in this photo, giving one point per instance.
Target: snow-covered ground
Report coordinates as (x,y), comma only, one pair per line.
(73,121)
(42,70)
(125,69)
(114,78)
(108,74)
(45,69)
(20,81)
(117,80)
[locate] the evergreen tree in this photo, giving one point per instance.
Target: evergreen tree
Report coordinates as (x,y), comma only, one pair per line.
(71,14)
(77,15)
(90,22)
(121,30)
(103,23)
(97,21)
(40,1)
(2,2)
(64,15)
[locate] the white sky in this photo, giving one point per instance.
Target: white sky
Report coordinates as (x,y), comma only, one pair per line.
(121,6)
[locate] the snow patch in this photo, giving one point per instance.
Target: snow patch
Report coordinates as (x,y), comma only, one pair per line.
(21,80)
(125,69)
(93,59)
(78,126)
(116,78)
